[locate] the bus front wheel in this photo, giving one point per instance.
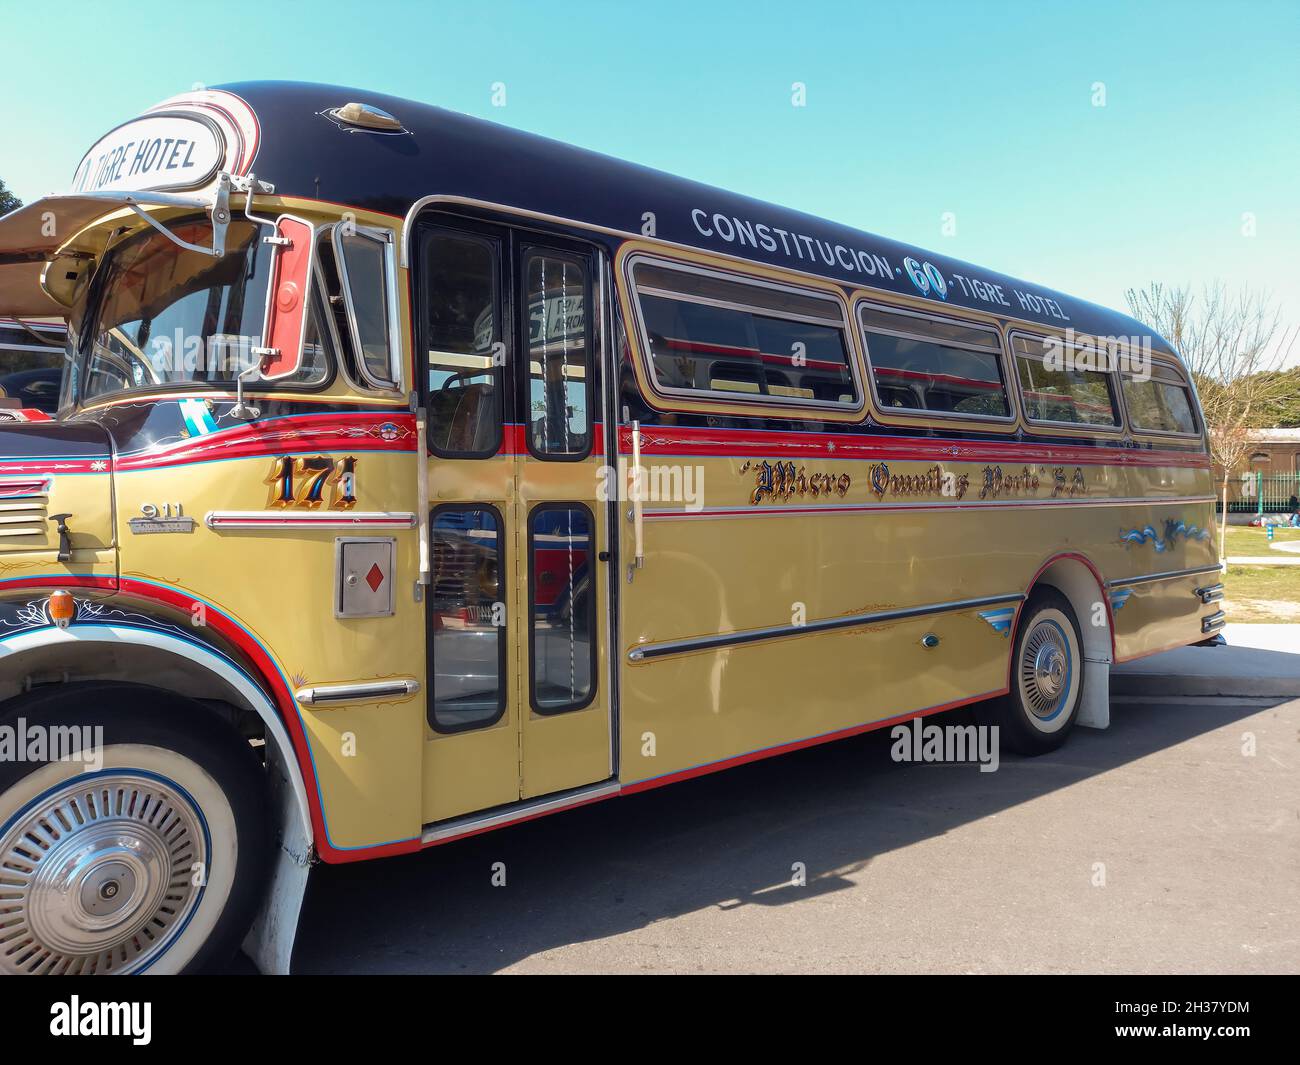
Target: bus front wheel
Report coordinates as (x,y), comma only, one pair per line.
(145,851)
(1046,688)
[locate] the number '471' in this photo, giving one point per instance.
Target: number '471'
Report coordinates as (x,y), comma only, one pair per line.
(303,481)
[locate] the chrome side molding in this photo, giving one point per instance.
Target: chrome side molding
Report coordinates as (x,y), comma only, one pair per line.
(1167,575)
(731,639)
(370,691)
(440,831)
(219,520)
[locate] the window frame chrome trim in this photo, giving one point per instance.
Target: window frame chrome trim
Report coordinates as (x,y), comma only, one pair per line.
(1112,379)
(859,404)
(503,634)
(524,253)
(384,237)
(1188,387)
(710,301)
(918,412)
(593,554)
(335,338)
(496,238)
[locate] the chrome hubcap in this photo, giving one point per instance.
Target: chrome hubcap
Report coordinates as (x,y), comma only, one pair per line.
(98,876)
(1044,670)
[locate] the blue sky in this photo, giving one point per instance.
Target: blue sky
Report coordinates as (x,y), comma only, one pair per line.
(985,110)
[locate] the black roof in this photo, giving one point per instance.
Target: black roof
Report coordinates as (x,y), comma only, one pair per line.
(306,153)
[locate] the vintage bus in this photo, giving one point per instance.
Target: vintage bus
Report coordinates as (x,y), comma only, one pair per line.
(414,477)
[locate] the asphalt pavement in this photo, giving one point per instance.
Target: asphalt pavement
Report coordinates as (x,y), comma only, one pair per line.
(1168,843)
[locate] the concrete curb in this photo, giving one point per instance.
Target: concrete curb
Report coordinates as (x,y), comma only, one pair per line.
(1233,687)
(1271,668)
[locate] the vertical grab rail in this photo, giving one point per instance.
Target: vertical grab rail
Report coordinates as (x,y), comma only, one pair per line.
(638,512)
(422,491)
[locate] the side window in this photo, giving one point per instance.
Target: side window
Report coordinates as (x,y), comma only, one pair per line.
(466,639)
(1160,404)
(461,309)
(31,365)
(364,260)
(934,365)
(559,337)
(710,334)
(562,606)
(1054,391)
(316,344)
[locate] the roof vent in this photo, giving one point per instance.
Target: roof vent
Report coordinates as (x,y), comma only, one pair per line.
(364,116)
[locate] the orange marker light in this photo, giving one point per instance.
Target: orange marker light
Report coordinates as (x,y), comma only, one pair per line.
(62,609)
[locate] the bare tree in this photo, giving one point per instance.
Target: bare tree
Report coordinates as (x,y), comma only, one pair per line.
(1227,341)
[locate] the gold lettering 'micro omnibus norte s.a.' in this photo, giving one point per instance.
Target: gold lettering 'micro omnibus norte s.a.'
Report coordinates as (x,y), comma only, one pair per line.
(413,477)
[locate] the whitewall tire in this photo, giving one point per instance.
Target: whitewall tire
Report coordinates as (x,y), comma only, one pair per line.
(1046,682)
(147,858)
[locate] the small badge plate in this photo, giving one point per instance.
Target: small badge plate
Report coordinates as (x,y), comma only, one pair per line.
(142,526)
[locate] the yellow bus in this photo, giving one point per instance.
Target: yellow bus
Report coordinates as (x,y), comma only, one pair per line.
(412,477)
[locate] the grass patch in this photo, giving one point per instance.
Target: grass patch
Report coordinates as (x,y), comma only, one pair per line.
(1261,594)
(1247,541)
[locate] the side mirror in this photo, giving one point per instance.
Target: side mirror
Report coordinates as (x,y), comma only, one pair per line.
(284,326)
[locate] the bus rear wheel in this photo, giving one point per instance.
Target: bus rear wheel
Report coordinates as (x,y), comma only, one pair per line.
(1038,712)
(147,853)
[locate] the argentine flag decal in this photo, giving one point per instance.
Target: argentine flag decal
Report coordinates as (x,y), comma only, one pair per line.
(198,419)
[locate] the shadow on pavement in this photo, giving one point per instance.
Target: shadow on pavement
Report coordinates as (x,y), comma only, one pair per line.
(722,841)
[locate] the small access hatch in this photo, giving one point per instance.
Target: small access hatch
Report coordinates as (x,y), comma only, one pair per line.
(364,582)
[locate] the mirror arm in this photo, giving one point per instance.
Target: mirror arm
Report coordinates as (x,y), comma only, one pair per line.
(269,223)
(240,410)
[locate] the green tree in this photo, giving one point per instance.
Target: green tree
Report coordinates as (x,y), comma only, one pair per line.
(1283,412)
(8,201)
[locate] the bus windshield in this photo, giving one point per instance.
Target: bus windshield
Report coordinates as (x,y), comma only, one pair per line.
(166,316)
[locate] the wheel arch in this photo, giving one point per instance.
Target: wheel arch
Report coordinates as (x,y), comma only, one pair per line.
(173,665)
(1078,579)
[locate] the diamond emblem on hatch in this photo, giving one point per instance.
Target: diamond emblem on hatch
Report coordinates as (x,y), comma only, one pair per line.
(374,577)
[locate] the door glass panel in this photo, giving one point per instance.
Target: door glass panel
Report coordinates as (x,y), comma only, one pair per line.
(462,320)
(562,603)
(559,370)
(466,619)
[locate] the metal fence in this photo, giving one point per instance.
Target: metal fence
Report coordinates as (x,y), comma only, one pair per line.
(1252,492)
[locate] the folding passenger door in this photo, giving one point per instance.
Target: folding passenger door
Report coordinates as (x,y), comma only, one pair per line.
(564,697)
(518,705)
